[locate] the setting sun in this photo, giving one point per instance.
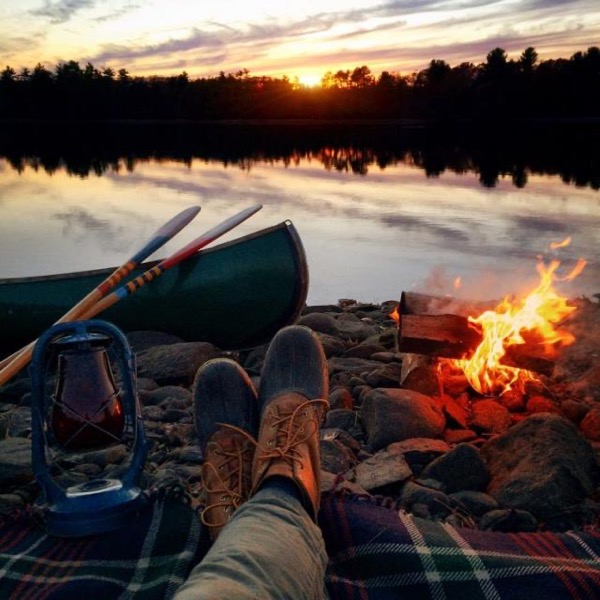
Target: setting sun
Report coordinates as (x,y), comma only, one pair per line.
(309,80)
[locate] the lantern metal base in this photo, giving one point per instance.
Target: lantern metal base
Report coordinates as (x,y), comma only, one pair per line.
(85,512)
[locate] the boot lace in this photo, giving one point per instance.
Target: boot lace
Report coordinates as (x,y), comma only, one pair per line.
(290,433)
(228,481)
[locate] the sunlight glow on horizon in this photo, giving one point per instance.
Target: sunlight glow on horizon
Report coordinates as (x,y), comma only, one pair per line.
(167,37)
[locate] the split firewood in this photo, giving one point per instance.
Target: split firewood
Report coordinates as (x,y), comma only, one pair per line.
(453,336)
(415,303)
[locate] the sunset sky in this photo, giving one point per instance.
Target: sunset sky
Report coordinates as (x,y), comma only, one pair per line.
(298,39)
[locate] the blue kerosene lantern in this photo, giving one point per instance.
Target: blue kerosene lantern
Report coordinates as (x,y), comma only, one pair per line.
(88,442)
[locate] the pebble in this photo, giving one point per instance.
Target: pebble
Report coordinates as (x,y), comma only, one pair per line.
(520,462)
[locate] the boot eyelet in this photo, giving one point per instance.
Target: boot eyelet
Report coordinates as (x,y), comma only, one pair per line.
(304,413)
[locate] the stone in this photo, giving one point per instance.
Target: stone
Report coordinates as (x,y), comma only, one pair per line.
(458,436)
(335,457)
(590,425)
(490,416)
(15,461)
(9,503)
(437,502)
(387,376)
(319,322)
(419,452)
(574,410)
(143,340)
(364,350)
(380,470)
(350,327)
(508,520)
(475,503)
(341,418)
(332,346)
(340,398)
(454,412)
(541,404)
(542,465)
(462,468)
(391,415)
(331,482)
(513,400)
(166,394)
(175,363)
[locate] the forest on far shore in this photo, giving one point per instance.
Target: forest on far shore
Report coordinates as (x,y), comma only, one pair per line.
(498,88)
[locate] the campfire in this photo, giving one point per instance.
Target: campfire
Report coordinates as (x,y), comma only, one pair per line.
(496,346)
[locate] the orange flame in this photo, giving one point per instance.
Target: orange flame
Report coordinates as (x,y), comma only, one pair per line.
(395,315)
(565,242)
(513,322)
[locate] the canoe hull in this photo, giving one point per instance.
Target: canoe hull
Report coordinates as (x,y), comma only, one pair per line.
(235,295)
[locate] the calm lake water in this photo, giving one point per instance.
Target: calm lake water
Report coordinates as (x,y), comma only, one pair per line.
(374,220)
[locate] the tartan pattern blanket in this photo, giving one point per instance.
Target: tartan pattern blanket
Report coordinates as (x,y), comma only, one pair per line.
(149,559)
(379,552)
(376,552)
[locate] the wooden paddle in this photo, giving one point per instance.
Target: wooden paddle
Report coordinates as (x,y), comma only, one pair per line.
(161,236)
(24,355)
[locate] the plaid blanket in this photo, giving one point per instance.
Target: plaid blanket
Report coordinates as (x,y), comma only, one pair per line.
(149,559)
(378,552)
(375,552)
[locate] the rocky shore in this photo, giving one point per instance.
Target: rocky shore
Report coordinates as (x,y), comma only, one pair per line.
(397,427)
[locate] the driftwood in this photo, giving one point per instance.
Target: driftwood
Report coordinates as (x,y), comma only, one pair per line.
(452,336)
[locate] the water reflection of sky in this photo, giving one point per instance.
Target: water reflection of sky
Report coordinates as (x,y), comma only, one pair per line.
(366,237)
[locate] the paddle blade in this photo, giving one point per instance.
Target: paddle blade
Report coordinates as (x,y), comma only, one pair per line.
(209,236)
(164,233)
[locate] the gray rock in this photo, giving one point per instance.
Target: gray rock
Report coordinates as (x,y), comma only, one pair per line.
(340,398)
(335,457)
(15,461)
(364,350)
(352,366)
(319,322)
(380,470)
(508,520)
(414,495)
(475,503)
(143,340)
(462,468)
(14,392)
(168,394)
(419,452)
(19,422)
(175,363)
(350,327)
(341,418)
(9,503)
(393,415)
(332,346)
(387,376)
(543,465)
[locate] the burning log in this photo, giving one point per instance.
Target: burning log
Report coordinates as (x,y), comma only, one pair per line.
(448,336)
(452,336)
(415,303)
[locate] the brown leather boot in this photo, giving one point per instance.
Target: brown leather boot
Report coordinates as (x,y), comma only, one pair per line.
(225,415)
(294,388)
(226,477)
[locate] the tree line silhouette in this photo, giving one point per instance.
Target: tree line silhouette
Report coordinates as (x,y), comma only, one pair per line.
(497,88)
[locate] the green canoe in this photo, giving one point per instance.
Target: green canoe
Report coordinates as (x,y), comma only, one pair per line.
(235,295)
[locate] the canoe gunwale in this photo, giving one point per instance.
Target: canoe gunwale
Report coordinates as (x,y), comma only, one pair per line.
(287,224)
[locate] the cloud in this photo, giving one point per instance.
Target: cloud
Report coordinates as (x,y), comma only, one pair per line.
(63,10)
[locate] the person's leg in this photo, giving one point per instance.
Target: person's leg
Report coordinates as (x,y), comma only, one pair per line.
(272,547)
